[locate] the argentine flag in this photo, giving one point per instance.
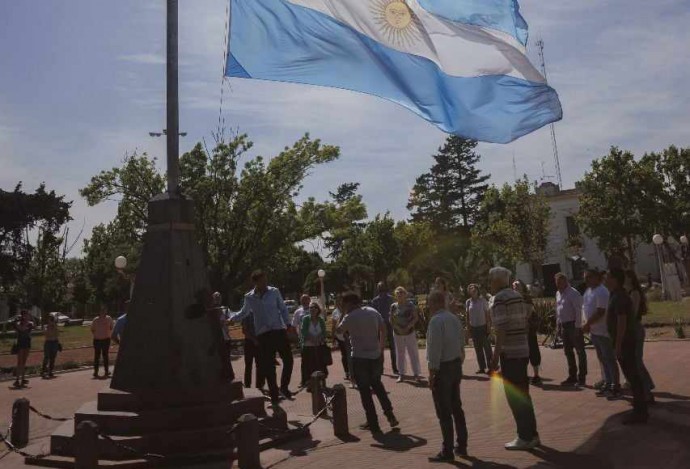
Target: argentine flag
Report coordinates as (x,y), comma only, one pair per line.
(459,64)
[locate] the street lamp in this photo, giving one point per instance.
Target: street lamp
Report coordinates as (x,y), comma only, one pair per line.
(120,262)
(322,274)
(658,240)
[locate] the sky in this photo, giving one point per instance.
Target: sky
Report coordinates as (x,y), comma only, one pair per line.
(82,83)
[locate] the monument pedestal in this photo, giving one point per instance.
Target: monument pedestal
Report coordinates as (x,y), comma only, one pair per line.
(170,394)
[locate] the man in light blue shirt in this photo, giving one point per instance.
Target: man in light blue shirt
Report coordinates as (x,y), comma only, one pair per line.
(445,354)
(271,321)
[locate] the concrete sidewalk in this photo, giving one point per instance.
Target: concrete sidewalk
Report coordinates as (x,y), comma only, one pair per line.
(578,430)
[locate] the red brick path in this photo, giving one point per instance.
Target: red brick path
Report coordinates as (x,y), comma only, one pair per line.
(577,429)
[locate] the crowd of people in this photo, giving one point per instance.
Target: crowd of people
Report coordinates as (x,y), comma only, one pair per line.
(609,310)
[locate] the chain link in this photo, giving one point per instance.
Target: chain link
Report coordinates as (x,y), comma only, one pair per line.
(48,417)
(129,449)
(6,439)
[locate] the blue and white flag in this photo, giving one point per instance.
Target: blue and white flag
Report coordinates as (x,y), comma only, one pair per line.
(460,64)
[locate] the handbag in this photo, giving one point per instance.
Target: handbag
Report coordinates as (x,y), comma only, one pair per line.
(326,354)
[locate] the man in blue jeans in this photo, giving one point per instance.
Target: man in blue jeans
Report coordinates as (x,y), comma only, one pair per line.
(367,333)
(595,303)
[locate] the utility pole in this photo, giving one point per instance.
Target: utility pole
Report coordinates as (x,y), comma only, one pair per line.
(173,99)
(554,143)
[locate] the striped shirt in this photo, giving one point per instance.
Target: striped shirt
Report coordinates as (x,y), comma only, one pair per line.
(509,314)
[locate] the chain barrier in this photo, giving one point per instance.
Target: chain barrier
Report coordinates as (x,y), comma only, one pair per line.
(321,412)
(129,449)
(48,417)
(6,439)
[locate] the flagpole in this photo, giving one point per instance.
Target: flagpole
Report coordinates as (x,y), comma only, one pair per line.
(173,108)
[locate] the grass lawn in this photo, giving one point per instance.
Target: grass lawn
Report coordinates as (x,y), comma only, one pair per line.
(70,337)
(664,312)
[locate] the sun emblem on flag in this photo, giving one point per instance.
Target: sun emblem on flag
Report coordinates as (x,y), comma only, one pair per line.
(397,21)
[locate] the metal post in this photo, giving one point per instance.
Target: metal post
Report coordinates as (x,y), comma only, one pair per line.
(248,442)
(341,426)
(317,400)
(86,445)
(173,110)
(19,436)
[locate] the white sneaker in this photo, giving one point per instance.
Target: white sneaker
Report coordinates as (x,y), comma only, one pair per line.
(400,379)
(518,444)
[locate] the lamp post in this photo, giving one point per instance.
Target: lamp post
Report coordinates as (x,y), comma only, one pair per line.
(120,264)
(684,253)
(322,274)
(658,241)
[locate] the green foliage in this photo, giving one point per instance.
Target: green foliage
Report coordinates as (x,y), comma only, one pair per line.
(448,197)
(43,214)
(672,167)
(619,205)
(246,214)
(513,225)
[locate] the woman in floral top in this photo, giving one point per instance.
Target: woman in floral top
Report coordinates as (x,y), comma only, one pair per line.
(404,317)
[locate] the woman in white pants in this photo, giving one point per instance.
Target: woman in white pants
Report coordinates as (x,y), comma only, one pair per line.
(404,317)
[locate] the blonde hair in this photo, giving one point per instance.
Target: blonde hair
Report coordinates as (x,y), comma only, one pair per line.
(399,290)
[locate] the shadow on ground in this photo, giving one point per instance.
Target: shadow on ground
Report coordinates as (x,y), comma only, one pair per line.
(395,440)
(663,442)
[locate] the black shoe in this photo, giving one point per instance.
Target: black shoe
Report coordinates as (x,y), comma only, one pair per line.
(480,372)
(536,381)
(582,382)
(374,429)
(17,384)
(460,451)
(442,457)
(286,393)
(614,395)
(25,382)
(569,382)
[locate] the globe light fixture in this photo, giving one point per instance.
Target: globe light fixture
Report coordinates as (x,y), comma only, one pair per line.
(321,273)
(658,239)
(120,262)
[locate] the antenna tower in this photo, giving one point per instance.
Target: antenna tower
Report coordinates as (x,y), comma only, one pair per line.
(554,143)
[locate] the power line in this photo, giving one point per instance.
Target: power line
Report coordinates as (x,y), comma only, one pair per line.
(554,142)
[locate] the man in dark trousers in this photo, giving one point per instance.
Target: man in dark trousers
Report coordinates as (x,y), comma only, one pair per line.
(621,324)
(445,354)
(271,321)
(382,303)
(367,333)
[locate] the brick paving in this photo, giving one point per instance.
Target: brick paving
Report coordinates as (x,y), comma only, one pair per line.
(577,429)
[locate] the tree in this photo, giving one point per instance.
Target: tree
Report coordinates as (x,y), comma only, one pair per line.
(513,225)
(246,216)
(448,197)
(25,267)
(672,166)
(344,217)
(619,205)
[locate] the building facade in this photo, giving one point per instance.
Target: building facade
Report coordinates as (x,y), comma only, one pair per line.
(569,250)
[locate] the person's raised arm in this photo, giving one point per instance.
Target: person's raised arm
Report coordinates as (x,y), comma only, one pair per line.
(242,313)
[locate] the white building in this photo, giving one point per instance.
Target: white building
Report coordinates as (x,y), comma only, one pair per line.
(572,261)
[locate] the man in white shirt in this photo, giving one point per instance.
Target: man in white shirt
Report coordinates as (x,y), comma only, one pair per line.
(595,304)
(569,317)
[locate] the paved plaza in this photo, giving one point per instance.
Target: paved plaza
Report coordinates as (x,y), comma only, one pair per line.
(577,429)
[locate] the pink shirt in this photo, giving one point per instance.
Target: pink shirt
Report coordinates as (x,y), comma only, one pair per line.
(102,327)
